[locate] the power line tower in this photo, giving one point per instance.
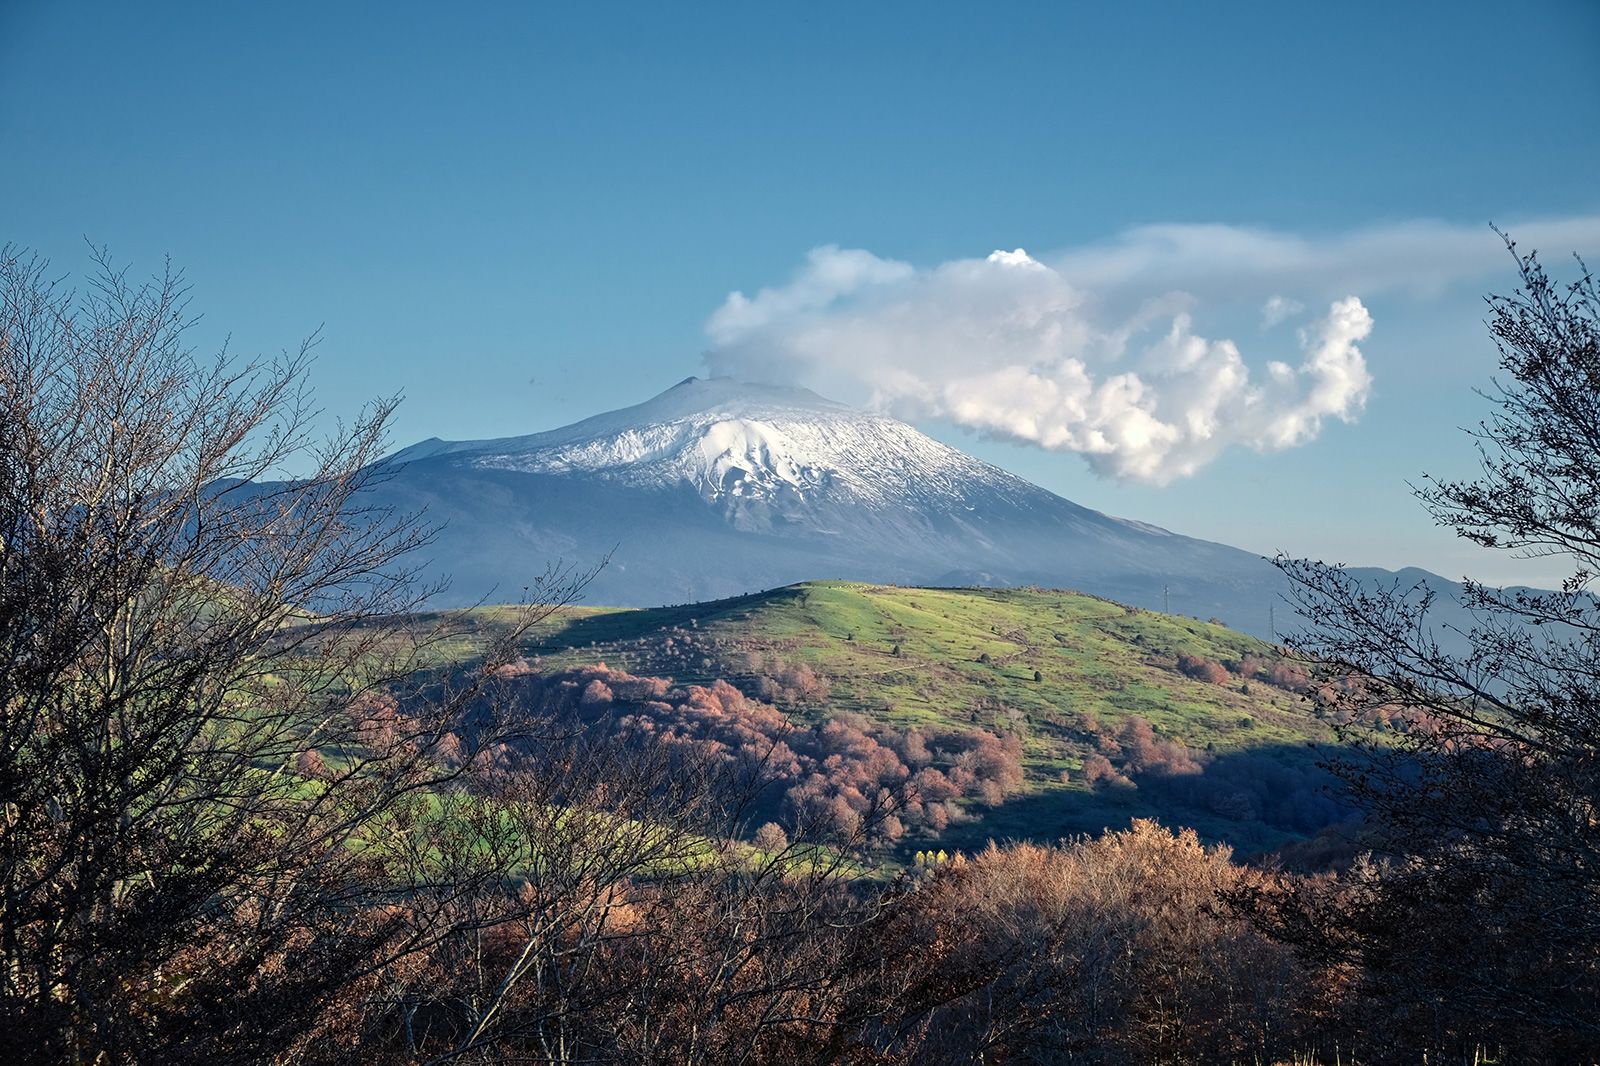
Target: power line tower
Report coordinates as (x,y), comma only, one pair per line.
(1166,601)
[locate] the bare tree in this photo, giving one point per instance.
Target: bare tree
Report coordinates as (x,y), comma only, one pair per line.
(204,792)
(640,928)
(1479,920)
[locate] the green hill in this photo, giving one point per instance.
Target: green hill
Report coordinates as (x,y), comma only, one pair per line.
(1230,744)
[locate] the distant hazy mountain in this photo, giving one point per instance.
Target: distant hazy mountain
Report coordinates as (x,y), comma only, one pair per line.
(716,488)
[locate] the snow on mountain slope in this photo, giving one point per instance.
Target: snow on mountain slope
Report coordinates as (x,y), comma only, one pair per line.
(730,439)
(763,455)
(717,487)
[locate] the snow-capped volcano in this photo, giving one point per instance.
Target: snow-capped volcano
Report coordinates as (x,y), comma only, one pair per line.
(717,487)
(762,454)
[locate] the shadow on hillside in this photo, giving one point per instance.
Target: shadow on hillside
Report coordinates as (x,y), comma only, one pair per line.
(1255,801)
(637,623)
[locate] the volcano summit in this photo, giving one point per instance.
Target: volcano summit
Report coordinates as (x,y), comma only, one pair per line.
(717,487)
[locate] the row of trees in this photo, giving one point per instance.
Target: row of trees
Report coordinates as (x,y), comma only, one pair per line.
(236,825)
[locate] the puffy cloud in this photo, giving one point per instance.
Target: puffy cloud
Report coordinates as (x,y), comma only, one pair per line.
(1022,349)
(1057,350)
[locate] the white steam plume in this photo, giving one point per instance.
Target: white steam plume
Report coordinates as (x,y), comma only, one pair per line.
(1010,346)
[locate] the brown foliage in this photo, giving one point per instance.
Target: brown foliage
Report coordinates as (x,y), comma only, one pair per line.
(1112,949)
(1202,669)
(846,775)
(1144,752)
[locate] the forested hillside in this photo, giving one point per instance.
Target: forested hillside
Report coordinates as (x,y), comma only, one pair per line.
(1024,713)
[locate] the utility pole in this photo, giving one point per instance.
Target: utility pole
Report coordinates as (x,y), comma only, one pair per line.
(1272,621)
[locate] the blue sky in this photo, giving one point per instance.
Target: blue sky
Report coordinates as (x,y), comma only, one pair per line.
(520,214)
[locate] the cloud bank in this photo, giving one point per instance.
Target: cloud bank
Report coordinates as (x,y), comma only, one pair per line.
(1095,350)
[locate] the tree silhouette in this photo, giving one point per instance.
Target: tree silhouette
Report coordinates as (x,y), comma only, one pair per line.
(1479,920)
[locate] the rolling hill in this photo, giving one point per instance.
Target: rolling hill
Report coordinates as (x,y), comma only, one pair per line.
(1114,712)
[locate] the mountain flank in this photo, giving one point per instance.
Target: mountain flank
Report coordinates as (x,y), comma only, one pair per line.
(717,488)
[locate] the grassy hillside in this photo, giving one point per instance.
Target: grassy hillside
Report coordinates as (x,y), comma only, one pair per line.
(1065,673)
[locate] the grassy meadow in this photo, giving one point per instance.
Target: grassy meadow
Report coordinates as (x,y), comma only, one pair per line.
(1055,668)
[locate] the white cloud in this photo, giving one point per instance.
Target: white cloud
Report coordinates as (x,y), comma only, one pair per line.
(1006,346)
(1057,350)
(1224,261)
(1017,258)
(1279,308)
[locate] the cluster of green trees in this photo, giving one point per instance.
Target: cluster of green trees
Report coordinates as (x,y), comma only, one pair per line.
(238,821)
